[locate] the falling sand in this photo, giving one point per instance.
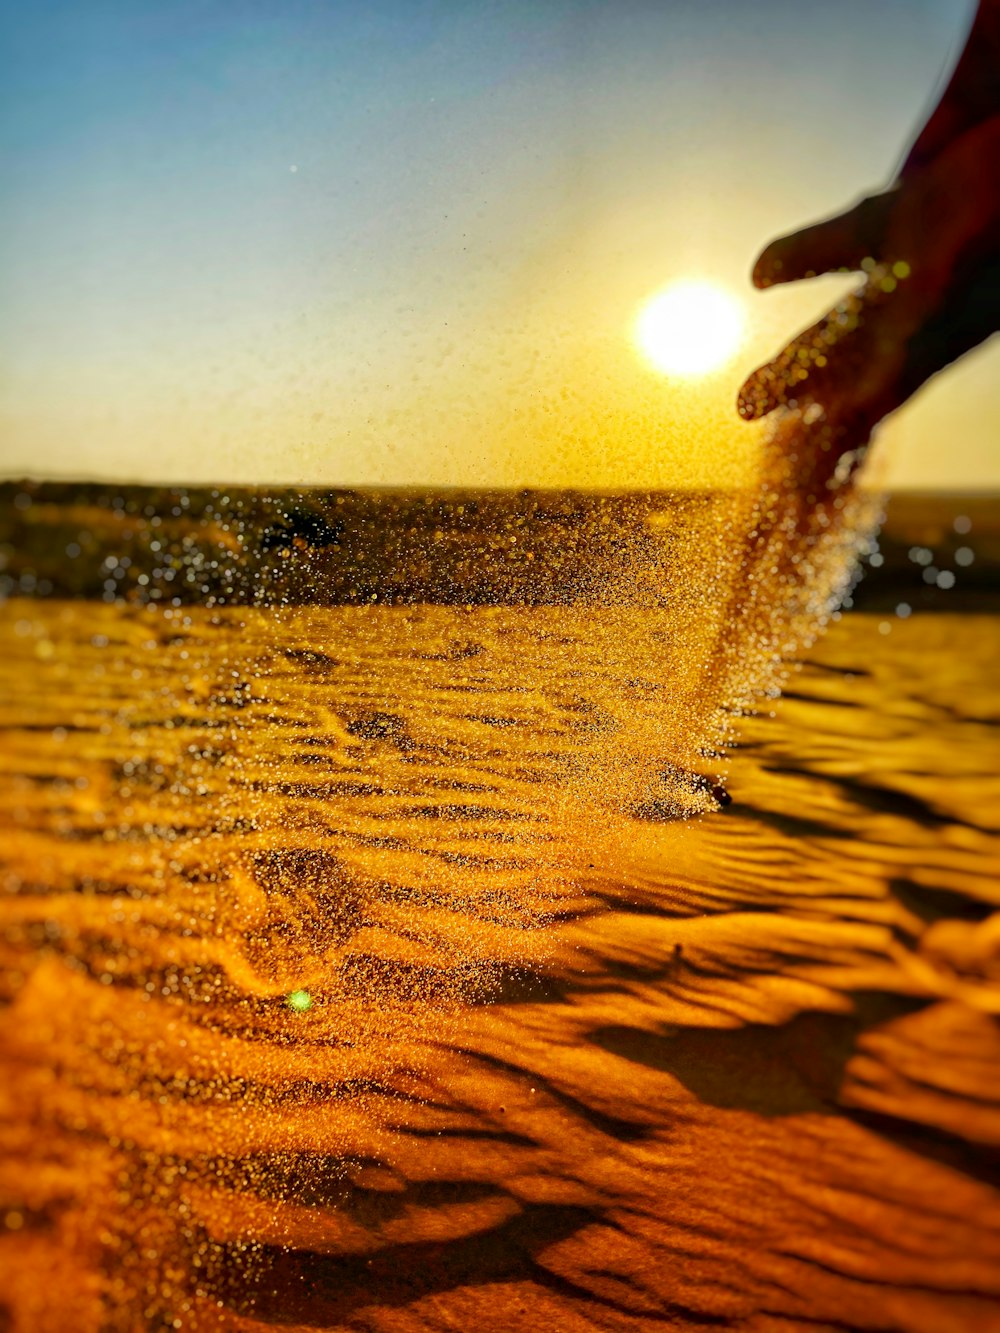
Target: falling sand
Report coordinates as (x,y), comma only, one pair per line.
(397,964)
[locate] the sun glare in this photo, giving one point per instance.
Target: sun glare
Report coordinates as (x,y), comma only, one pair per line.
(689,328)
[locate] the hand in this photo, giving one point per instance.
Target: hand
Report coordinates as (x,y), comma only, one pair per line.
(929,248)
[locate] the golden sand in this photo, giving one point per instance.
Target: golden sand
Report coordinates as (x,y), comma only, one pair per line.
(358,975)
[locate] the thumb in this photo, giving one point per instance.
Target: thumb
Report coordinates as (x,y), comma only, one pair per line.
(837,243)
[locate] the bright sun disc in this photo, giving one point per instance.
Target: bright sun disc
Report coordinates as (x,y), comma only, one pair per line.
(689,328)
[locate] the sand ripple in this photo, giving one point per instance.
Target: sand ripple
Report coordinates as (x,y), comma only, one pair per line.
(358,975)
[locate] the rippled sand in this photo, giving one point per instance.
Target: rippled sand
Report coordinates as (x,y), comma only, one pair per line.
(359,974)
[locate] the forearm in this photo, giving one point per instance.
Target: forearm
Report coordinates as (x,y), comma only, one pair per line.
(972,94)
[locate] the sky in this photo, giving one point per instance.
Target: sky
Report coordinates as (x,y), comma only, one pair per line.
(405,242)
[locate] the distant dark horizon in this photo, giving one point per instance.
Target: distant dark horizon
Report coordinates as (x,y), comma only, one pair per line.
(989,493)
(271,546)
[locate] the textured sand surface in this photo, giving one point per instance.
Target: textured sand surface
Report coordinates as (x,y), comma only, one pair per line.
(561,1058)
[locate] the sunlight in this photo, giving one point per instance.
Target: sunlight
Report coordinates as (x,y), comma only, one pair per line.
(691,327)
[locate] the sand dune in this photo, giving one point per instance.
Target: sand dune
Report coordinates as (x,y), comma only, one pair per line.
(552,1056)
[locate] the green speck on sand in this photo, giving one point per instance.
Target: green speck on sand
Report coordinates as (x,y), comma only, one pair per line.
(300,1001)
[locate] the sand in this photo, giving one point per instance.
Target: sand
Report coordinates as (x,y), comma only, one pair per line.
(360,973)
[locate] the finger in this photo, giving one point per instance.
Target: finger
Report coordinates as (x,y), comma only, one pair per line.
(795,375)
(795,378)
(838,361)
(837,243)
(866,357)
(762,391)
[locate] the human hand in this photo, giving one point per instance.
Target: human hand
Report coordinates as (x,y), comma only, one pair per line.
(929,248)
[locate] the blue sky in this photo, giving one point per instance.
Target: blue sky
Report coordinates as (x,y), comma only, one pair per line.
(336,243)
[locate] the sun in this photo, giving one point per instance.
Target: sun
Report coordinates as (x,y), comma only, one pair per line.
(689,328)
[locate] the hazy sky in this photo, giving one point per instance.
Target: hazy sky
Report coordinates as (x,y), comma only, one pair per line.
(405,242)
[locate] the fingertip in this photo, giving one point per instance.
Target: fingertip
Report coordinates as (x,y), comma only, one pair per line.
(761,392)
(767,270)
(748,402)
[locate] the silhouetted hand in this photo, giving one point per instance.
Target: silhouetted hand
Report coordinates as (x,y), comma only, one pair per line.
(929,248)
